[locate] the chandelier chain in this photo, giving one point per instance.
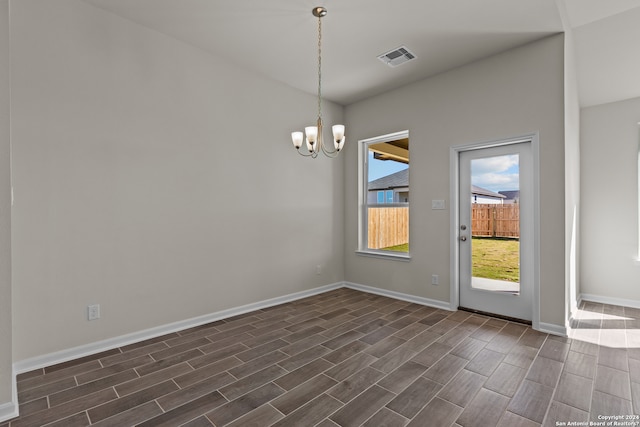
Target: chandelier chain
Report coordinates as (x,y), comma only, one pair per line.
(319,67)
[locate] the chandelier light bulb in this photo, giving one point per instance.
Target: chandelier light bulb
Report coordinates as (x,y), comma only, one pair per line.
(312,133)
(338,132)
(297,137)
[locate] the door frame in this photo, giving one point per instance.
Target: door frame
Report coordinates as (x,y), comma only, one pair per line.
(454,161)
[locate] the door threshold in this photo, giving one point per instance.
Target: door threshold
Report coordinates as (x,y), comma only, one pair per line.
(497,316)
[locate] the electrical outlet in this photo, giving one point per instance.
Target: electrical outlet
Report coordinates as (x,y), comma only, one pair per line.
(318,269)
(434,279)
(93,311)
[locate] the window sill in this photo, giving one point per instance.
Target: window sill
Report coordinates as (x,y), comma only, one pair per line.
(399,256)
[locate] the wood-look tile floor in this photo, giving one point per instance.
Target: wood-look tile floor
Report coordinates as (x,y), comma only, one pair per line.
(348,358)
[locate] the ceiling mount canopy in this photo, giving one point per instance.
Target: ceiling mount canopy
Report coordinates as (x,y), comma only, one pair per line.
(319,11)
(313,134)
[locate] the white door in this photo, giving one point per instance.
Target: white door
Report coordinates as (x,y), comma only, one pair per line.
(496,230)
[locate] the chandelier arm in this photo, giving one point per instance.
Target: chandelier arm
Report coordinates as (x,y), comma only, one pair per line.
(312,154)
(304,155)
(329,153)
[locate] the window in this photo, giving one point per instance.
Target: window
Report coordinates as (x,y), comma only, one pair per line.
(389,196)
(384,195)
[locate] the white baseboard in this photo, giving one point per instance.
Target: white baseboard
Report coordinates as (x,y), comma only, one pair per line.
(550,328)
(609,300)
(8,410)
(444,305)
(120,341)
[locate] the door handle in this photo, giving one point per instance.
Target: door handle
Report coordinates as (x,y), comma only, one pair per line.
(463,238)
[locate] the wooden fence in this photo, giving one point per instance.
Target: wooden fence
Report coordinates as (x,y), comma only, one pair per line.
(495,220)
(388,226)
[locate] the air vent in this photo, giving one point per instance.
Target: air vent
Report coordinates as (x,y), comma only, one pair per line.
(397,56)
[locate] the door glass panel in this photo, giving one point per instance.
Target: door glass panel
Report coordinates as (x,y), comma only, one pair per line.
(495,224)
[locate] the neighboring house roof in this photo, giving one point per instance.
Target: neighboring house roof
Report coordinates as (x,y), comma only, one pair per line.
(511,194)
(401,179)
(479,191)
(395,180)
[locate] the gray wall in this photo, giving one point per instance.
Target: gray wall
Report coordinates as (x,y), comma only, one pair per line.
(5,211)
(609,155)
(130,149)
(514,93)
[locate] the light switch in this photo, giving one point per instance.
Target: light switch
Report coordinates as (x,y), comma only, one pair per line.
(437,204)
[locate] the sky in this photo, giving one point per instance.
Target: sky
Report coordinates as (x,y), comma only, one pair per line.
(380,168)
(500,173)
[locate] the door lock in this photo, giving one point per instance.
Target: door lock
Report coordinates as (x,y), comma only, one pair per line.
(463,238)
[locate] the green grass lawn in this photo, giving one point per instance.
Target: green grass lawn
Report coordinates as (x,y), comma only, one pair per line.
(492,258)
(398,248)
(496,258)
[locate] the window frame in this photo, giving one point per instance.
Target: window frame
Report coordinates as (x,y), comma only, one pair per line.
(363,212)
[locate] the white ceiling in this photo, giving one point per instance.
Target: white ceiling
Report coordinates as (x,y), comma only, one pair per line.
(278,38)
(607,53)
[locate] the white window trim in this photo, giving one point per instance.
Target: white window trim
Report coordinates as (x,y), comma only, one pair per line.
(363,218)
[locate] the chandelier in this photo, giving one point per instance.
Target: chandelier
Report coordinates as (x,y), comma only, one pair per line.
(314,139)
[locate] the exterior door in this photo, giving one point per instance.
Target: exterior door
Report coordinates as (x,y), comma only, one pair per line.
(496,230)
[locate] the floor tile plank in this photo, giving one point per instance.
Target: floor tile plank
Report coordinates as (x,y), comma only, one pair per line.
(305,392)
(362,407)
(505,379)
(351,387)
(186,412)
(399,379)
(485,409)
(265,415)
(463,388)
(438,412)
(235,409)
(574,390)
(531,401)
(415,397)
(310,414)
(385,417)
(613,381)
(122,404)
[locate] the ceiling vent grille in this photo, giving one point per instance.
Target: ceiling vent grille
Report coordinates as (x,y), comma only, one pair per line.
(397,56)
